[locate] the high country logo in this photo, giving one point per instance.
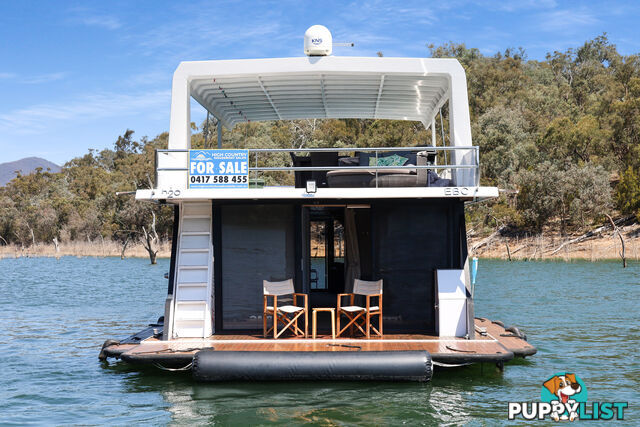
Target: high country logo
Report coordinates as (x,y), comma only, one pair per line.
(564,398)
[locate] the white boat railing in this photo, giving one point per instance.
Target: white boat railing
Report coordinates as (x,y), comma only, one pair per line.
(461,164)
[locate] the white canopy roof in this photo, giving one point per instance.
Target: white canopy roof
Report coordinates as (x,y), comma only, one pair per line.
(327,95)
(236,91)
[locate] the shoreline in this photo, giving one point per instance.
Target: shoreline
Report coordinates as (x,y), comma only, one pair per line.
(553,246)
(604,246)
(81,249)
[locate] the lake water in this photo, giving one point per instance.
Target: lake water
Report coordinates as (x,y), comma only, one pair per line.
(583,317)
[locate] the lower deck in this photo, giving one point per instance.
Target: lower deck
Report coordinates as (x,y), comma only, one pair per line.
(493,344)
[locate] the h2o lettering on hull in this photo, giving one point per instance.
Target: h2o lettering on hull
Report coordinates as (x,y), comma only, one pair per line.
(171,193)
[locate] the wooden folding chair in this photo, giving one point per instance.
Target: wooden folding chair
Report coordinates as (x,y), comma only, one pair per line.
(358,316)
(287,315)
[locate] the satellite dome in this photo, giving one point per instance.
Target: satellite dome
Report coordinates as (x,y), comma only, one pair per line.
(318,41)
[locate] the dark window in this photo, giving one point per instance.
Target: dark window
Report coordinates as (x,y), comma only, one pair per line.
(257,244)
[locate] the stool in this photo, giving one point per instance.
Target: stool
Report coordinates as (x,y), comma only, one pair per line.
(333,320)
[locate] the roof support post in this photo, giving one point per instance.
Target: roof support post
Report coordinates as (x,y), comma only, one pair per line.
(460,127)
(180,123)
(375,112)
(433,132)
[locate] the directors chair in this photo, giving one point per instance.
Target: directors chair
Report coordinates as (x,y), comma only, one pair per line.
(358,316)
(287,315)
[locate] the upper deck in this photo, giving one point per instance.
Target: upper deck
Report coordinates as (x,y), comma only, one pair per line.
(415,89)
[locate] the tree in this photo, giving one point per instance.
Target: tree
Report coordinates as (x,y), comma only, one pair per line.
(580,142)
(150,239)
(505,144)
(575,195)
(628,193)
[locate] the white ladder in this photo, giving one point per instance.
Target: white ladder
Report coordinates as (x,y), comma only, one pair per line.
(192,296)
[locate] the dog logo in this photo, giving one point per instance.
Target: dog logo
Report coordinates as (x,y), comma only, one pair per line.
(564,398)
(566,391)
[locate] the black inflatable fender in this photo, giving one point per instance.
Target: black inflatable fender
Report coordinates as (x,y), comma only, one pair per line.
(211,365)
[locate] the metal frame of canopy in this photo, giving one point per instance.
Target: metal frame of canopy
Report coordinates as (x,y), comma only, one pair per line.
(236,91)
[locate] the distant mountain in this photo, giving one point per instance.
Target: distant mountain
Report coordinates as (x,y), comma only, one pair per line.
(25,166)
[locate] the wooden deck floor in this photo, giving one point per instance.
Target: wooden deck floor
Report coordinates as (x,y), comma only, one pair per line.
(496,345)
(516,345)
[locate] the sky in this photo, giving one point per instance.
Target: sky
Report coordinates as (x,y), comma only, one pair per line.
(76,74)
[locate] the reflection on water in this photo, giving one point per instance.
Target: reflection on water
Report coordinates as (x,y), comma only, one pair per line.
(583,317)
(319,402)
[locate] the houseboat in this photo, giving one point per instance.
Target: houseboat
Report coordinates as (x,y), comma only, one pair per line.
(360,270)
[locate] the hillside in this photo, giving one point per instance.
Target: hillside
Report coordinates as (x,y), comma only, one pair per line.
(25,166)
(560,136)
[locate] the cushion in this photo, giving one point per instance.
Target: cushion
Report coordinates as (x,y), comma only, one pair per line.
(395,180)
(344,172)
(349,161)
(392,158)
(435,181)
(354,308)
(358,178)
(286,308)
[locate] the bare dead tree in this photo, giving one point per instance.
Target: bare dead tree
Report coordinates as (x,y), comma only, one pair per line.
(302,136)
(499,227)
(33,237)
(591,234)
(5,242)
(56,244)
(150,240)
(102,239)
(616,230)
(124,246)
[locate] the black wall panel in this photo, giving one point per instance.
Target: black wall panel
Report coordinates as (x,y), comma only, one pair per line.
(410,241)
(258,243)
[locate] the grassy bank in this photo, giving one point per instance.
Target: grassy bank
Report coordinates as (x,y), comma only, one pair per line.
(83,249)
(602,246)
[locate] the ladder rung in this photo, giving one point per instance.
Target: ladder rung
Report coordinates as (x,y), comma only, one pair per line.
(193,267)
(199,319)
(195,233)
(190,322)
(194,251)
(196,205)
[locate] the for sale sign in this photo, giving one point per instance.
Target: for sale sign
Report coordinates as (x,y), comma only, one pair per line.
(218,168)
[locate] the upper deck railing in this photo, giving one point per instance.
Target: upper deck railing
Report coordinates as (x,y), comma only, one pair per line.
(459,165)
